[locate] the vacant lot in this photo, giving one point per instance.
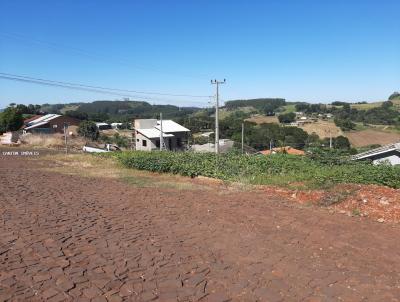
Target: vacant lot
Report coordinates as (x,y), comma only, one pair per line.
(372,136)
(323,129)
(66,237)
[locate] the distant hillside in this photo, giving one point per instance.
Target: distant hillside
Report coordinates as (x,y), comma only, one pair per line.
(256,103)
(118,110)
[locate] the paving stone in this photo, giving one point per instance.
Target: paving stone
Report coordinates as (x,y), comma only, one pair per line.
(50,292)
(92,292)
(42,277)
(83,239)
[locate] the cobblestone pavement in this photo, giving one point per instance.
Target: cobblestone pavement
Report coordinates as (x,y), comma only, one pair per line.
(66,238)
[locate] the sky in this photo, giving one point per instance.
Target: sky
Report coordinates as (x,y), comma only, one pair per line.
(300,50)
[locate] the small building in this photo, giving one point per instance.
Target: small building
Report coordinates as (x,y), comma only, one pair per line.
(148,134)
(387,154)
(286,150)
(48,124)
(225,145)
(116,125)
(103,126)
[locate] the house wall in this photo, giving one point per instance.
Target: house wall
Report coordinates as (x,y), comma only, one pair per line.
(150,143)
(145,123)
(172,142)
(57,124)
(393,159)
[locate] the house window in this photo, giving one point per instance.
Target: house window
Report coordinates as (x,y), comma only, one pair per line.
(137,140)
(158,143)
(179,142)
(54,126)
(144,143)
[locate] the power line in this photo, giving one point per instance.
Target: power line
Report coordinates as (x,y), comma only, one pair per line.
(85,88)
(92,55)
(105,88)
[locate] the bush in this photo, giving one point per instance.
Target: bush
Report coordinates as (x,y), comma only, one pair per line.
(88,129)
(287,117)
(275,169)
(344,124)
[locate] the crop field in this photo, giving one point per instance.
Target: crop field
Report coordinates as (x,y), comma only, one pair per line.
(279,169)
(372,136)
(322,128)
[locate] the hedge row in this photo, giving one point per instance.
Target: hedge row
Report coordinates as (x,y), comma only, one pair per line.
(259,169)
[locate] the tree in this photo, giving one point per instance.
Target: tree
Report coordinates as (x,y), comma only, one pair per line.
(11,119)
(287,117)
(394,96)
(77,114)
(341,142)
(99,117)
(88,129)
(344,124)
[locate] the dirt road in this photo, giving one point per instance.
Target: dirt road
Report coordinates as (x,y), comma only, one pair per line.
(66,237)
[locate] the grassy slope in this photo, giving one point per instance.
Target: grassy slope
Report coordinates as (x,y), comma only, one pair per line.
(289,108)
(69,108)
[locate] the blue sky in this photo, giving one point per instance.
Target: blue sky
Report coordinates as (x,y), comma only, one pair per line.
(317,51)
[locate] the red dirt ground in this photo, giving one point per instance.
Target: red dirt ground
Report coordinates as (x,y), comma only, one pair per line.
(67,238)
(375,202)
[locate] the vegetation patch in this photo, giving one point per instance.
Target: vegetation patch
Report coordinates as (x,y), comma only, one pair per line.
(278,169)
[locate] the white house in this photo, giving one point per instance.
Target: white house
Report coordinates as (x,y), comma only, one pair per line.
(386,154)
(148,134)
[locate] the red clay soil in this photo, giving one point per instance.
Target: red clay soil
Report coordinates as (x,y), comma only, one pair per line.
(375,202)
(66,238)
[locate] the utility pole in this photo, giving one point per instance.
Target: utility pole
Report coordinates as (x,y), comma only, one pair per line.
(65,137)
(217,114)
(242,138)
(161,134)
(330,139)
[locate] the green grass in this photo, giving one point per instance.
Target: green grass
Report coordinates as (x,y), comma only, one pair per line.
(289,108)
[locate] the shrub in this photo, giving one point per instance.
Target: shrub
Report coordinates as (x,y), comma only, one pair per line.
(88,129)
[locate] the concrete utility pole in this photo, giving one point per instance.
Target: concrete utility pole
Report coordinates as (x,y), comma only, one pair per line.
(330,138)
(217,114)
(242,138)
(65,137)
(161,134)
